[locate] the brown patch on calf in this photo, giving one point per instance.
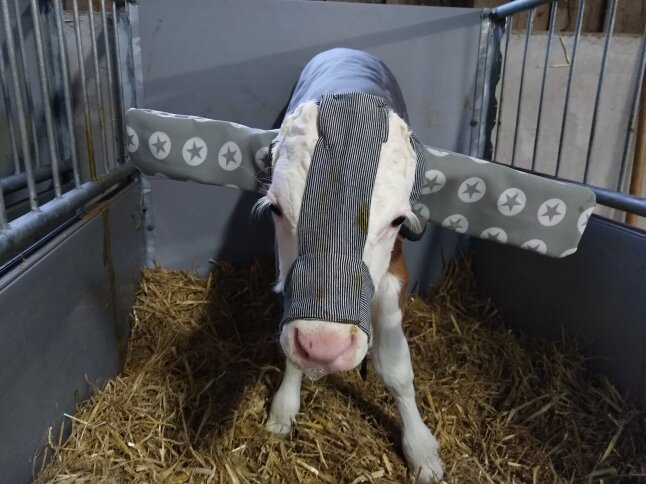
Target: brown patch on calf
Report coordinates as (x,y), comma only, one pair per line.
(398,269)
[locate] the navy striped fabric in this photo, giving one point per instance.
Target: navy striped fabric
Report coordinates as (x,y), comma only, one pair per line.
(329,280)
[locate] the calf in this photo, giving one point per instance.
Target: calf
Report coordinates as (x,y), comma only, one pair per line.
(346,172)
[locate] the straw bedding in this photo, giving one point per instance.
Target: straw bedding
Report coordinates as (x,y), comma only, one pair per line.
(203,363)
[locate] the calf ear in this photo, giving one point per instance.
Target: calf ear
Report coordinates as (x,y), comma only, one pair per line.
(496,202)
(198,149)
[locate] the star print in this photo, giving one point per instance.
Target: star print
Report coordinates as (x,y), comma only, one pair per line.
(229,156)
(511,202)
(455,224)
(195,151)
(160,146)
(493,235)
(534,247)
(131,139)
(433,182)
(551,212)
(471,189)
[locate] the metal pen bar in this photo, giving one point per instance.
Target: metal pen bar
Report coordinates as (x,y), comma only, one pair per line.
(3,212)
(20,108)
(516,6)
(27,229)
(99,90)
(502,87)
(13,183)
(89,138)
(632,119)
(108,60)
(577,35)
(9,113)
(67,93)
(550,34)
(122,103)
(528,34)
(26,84)
(47,105)
(612,9)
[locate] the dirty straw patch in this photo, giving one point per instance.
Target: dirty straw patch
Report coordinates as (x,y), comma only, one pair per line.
(191,403)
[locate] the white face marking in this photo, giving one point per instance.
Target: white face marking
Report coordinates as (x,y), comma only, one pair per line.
(394,180)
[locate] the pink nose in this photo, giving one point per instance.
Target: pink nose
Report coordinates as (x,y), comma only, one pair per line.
(322,346)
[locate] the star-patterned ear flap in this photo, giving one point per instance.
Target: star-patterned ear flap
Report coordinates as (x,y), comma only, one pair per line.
(491,201)
(199,149)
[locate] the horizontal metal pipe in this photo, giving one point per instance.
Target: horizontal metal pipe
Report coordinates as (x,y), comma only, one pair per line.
(17,182)
(516,6)
(27,229)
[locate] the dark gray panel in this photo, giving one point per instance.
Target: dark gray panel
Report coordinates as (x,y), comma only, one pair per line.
(58,326)
(597,295)
(238,60)
(194,223)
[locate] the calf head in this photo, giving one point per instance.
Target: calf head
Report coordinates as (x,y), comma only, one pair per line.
(345,175)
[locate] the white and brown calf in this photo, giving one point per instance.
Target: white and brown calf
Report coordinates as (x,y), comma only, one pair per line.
(318,347)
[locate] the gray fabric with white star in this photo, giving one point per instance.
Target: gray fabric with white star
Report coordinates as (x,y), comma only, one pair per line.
(461,193)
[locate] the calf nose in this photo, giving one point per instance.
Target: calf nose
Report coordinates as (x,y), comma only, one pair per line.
(322,346)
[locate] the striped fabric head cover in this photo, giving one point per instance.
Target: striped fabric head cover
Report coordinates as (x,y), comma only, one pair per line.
(329,280)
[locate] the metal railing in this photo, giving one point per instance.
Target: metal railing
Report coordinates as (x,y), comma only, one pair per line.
(60,76)
(612,194)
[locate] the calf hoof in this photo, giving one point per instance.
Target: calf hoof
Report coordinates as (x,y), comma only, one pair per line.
(420,450)
(280,429)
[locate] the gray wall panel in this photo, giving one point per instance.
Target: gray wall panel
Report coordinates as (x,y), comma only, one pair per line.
(598,295)
(58,327)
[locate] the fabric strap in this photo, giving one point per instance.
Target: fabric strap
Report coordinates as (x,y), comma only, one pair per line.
(461,193)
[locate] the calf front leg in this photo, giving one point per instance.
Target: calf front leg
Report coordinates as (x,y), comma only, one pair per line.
(391,359)
(286,402)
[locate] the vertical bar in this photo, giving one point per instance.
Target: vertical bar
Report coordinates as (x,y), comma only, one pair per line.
(47,105)
(122,103)
(553,8)
(86,106)
(26,83)
(528,33)
(612,8)
(502,87)
(99,90)
(577,35)
(67,94)
(638,172)
(9,112)
(20,108)
(3,212)
(108,59)
(630,130)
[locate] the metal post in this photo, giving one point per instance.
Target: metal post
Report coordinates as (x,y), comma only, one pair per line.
(3,213)
(553,9)
(20,108)
(99,90)
(630,130)
(528,33)
(502,87)
(47,105)
(9,112)
(122,103)
(611,23)
(108,60)
(26,84)
(67,95)
(577,35)
(86,106)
